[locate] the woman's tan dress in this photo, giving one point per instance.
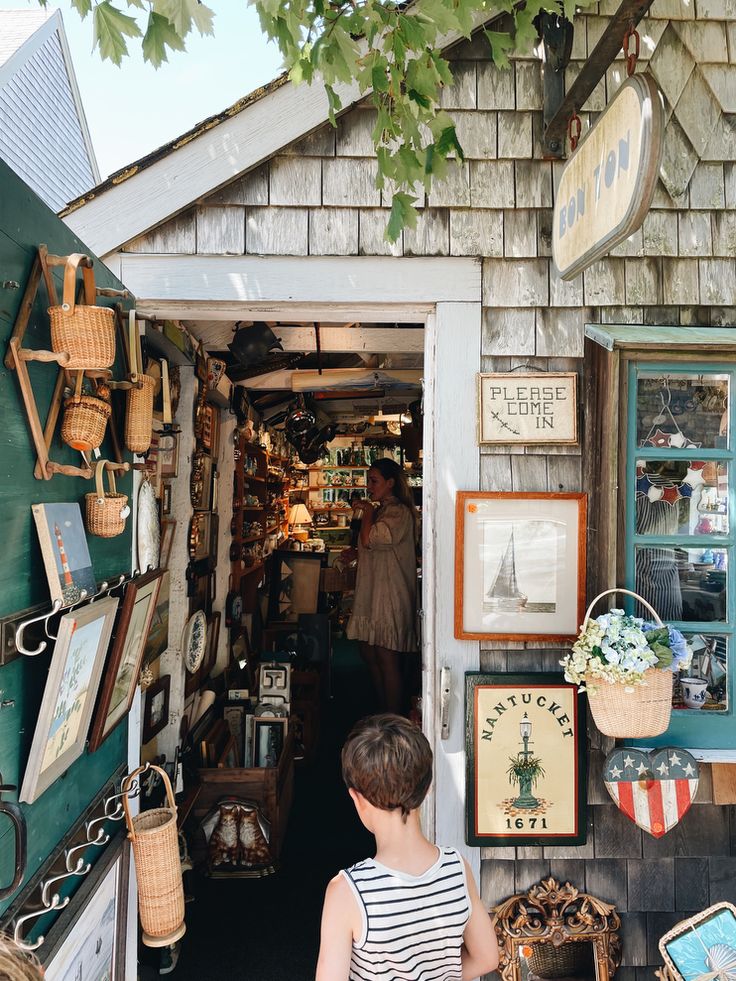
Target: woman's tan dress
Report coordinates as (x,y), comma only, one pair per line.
(384,607)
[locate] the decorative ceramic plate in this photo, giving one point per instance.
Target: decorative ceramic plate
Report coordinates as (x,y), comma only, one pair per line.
(149,530)
(194,641)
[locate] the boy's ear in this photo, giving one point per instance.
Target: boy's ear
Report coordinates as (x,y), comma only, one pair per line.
(357,797)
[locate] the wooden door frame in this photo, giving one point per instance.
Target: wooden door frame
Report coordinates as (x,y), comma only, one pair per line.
(445,295)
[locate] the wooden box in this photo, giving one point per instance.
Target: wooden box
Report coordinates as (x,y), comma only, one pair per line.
(271,787)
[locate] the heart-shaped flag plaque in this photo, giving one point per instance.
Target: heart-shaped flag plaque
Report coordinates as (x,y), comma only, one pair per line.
(654,789)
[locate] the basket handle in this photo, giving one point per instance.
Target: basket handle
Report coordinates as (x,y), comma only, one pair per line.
(133,342)
(78,386)
(128,780)
(628,592)
(99,470)
(70,281)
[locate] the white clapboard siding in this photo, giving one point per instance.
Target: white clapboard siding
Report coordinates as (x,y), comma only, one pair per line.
(42,130)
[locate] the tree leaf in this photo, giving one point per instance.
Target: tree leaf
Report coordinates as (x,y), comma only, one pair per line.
(111,27)
(403,215)
(500,44)
(83,7)
(159,35)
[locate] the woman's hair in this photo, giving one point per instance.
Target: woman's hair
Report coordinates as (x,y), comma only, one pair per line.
(15,964)
(388,760)
(390,470)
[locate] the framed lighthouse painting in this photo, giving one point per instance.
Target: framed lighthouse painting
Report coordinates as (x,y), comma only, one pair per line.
(525,760)
(65,552)
(519,566)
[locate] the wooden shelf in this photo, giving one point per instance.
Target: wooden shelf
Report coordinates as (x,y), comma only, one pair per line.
(339,487)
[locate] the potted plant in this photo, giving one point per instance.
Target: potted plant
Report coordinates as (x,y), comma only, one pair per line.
(627,665)
(525,772)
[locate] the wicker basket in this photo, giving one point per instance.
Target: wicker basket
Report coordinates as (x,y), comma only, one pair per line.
(85,419)
(631,711)
(139,402)
(571,959)
(106,512)
(85,332)
(155,843)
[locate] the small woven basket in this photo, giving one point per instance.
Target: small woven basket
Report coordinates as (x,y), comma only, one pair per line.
(139,402)
(85,419)
(631,711)
(155,842)
(106,511)
(86,332)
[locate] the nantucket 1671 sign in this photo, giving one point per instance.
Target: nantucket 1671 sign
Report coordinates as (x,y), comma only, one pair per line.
(607,184)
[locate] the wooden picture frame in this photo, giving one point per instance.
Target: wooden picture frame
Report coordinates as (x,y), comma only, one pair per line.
(168,452)
(168,530)
(69,696)
(156,708)
(229,757)
(516,795)
(685,947)
(124,664)
(210,438)
(269,739)
(213,637)
(528,408)
(158,633)
(520,566)
(89,937)
(165,499)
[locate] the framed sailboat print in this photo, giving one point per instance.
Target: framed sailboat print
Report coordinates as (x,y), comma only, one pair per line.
(519,566)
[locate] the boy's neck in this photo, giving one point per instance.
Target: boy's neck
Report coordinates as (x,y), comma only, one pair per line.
(401,845)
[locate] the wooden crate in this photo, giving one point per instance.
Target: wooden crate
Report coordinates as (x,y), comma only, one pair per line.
(271,787)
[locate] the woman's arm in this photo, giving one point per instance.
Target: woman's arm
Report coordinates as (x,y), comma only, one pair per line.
(480,949)
(336,936)
(366,522)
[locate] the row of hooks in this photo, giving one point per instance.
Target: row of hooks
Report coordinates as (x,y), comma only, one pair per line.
(74,862)
(57,607)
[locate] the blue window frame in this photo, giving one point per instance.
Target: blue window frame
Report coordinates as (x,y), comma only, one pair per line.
(681,531)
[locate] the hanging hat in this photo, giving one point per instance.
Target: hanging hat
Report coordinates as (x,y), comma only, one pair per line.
(253,344)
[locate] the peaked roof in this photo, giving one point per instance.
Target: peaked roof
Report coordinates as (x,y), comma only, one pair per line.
(213,153)
(16,26)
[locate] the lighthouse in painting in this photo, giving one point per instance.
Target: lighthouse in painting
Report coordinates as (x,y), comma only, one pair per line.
(504,596)
(66,571)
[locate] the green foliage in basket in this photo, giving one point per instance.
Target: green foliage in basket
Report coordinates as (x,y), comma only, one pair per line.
(530,767)
(616,647)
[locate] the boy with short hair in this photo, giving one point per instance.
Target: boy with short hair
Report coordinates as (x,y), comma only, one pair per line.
(413,912)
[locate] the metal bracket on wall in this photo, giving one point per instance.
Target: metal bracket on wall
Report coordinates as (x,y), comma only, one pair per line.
(40,895)
(629,13)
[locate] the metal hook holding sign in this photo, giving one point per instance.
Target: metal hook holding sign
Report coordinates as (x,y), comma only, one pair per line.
(81,868)
(56,903)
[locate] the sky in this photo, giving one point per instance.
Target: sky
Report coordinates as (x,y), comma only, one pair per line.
(135,109)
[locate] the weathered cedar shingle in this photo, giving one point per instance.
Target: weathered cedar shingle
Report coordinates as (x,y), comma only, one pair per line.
(333,231)
(657,925)
(704,830)
(692,883)
(276,231)
(605,878)
(634,937)
(354,129)
(350,182)
(643,281)
(432,234)
(372,234)
(604,283)
(707,188)
(496,882)
(723,880)
(698,111)
(221,231)
(615,835)
(508,331)
(296,181)
(496,86)
(520,234)
(515,283)
(651,883)
(514,135)
(477,132)
(533,184)
(454,188)
(717,281)
(659,233)
(694,234)
(560,333)
(476,232)
(462,93)
(680,281)
(528,873)
(570,870)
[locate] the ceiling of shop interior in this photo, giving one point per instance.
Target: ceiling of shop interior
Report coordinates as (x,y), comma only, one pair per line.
(398,348)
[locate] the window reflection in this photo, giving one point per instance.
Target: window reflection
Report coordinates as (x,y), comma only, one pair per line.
(683,583)
(681,497)
(682,411)
(704,686)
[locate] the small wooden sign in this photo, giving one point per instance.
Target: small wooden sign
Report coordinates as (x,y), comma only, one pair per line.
(607,185)
(537,407)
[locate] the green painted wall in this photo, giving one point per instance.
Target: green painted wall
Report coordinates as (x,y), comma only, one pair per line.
(25,222)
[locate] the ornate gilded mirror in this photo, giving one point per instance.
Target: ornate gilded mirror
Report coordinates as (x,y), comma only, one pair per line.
(555,931)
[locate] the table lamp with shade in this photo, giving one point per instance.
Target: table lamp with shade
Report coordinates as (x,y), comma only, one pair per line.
(300,522)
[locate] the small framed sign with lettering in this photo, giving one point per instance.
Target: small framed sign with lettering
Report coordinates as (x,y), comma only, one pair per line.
(533,407)
(525,760)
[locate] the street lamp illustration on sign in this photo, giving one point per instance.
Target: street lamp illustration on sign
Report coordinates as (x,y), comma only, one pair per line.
(525,769)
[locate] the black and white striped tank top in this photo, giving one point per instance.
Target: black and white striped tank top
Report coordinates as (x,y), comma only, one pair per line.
(412,924)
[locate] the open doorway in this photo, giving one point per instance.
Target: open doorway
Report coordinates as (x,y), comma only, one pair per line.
(313,415)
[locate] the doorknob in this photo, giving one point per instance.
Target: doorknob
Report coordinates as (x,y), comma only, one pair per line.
(445,691)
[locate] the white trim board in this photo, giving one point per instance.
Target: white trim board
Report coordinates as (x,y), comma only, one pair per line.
(332,340)
(347,280)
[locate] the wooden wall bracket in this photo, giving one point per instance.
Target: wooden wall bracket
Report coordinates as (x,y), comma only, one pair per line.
(629,13)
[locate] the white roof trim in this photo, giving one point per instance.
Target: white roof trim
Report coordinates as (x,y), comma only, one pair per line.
(53,24)
(210,160)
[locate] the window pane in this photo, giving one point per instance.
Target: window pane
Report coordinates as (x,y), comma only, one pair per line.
(704,687)
(681,411)
(681,497)
(683,583)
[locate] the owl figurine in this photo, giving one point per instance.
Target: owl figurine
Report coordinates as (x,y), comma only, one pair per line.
(223,846)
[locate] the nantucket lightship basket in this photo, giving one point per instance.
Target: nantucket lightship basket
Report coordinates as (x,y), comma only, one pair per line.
(84,331)
(106,510)
(155,842)
(631,711)
(85,419)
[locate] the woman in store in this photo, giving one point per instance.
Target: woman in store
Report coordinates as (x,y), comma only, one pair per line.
(384,607)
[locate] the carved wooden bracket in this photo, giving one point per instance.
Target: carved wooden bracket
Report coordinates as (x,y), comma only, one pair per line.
(554,914)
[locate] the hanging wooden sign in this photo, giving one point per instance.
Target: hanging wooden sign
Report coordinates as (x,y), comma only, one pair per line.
(607,184)
(535,407)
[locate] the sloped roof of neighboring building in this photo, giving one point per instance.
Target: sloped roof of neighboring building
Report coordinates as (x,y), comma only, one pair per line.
(16,26)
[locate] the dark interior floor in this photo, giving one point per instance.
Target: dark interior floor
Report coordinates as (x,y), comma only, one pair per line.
(268,929)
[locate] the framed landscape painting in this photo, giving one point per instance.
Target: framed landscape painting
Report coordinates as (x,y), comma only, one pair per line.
(124,665)
(158,633)
(519,566)
(525,760)
(69,696)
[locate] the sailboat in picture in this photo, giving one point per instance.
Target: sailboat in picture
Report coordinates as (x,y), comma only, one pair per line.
(504,596)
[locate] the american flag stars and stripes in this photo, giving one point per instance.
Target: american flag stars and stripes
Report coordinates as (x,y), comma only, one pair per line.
(655,790)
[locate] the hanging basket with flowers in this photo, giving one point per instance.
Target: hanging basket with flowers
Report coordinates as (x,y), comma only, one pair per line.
(627,665)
